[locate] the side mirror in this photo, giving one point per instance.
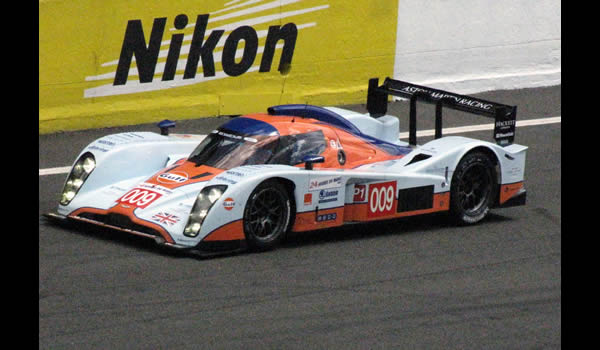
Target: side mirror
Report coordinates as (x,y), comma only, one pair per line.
(164,126)
(310,159)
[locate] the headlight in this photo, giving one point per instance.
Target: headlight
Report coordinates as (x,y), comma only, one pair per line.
(207,197)
(80,172)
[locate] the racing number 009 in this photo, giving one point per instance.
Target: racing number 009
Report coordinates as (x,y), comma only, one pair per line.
(139,197)
(381,198)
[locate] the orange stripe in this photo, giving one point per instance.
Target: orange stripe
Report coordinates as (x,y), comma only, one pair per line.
(509,190)
(359,211)
(232,231)
(307,221)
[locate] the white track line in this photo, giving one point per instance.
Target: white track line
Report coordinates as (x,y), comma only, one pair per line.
(54,171)
(472,128)
(457,130)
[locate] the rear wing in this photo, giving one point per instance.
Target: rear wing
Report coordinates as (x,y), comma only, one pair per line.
(505,116)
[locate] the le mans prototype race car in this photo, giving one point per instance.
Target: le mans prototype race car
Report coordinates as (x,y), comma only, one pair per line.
(298,168)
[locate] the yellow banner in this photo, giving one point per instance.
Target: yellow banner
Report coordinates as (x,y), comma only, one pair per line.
(109,63)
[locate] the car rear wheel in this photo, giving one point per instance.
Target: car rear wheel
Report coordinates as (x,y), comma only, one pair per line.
(267,215)
(472,190)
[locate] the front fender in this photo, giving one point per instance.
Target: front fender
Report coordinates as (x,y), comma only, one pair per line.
(130,155)
(224,220)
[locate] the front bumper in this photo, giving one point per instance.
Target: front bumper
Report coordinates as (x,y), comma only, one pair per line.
(203,249)
(58,218)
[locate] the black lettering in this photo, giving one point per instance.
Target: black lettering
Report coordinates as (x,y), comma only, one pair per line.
(134,43)
(174,49)
(288,33)
(199,49)
(230,67)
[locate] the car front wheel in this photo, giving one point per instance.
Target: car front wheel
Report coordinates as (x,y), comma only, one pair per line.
(267,215)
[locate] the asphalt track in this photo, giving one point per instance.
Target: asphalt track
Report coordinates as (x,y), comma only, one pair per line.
(403,284)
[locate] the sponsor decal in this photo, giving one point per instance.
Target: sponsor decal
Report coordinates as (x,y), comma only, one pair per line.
(326,217)
(381,199)
(504,130)
(157,188)
(228,203)
(459,99)
(308,199)
(225,179)
(166,218)
(514,171)
(139,197)
(335,144)
(234,173)
(98,148)
(175,177)
(506,123)
(236,137)
(324,183)
(201,48)
(104,142)
(359,193)
(196,50)
(326,196)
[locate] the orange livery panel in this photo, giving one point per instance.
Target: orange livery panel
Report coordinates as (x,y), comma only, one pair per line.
(507,191)
(379,206)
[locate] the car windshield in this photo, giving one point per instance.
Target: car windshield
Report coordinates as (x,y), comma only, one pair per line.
(225,149)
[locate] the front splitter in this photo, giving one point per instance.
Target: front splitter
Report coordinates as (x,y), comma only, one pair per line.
(203,249)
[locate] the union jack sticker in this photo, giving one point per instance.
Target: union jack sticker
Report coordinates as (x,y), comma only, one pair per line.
(166,218)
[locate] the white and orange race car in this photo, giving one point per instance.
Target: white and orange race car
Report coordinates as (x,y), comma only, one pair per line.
(295,168)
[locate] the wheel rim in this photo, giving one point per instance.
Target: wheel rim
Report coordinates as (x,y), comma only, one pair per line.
(474,188)
(267,214)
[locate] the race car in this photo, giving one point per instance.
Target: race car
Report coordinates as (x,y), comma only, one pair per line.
(295,168)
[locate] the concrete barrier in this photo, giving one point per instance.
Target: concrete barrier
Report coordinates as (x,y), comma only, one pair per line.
(472,46)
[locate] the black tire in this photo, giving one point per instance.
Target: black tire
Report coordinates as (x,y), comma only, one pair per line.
(472,191)
(267,215)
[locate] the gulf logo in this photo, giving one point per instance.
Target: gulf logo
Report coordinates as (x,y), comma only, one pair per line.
(175,177)
(228,203)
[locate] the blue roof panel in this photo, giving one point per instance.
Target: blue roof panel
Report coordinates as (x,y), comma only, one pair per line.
(315,112)
(332,118)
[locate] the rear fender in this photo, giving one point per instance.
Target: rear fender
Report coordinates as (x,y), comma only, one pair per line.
(448,152)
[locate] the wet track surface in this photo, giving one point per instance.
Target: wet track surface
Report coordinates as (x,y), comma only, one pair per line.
(409,283)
